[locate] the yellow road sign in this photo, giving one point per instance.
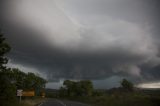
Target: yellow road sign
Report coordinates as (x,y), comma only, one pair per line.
(28,93)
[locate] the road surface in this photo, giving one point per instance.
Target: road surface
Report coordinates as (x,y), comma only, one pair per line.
(55,102)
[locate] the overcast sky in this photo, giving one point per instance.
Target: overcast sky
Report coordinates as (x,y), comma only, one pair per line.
(100,40)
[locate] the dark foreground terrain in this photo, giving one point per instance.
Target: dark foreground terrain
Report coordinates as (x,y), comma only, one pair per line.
(56,102)
(114,97)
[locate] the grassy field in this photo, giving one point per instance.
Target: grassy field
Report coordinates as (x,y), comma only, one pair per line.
(116,98)
(31,101)
(120,100)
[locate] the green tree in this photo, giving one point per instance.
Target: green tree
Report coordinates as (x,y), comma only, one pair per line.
(62,92)
(77,88)
(7,88)
(4,48)
(34,82)
(18,77)
(127,85)
(69,87)
(86,87)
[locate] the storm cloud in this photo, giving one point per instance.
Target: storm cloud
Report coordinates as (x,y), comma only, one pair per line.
(84,39)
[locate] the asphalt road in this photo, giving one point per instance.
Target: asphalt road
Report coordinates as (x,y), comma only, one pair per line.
(55,102)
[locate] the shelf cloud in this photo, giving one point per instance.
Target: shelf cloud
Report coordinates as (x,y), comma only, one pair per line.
(84,39)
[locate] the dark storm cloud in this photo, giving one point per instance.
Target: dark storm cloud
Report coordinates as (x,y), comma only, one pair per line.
(101,40)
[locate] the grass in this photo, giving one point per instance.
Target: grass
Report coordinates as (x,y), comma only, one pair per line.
(31,101)
(116,97)
(120,99)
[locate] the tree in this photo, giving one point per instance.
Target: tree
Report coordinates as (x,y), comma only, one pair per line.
(127,85)
(69,86)
(4,48)
(35,82)
(77,88)
(27,81)
(18,77)
(7,89)
(87,87)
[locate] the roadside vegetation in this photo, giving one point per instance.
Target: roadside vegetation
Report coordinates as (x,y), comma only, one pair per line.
(125,95)
(34,101)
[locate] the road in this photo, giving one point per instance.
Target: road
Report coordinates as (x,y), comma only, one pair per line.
(55,102)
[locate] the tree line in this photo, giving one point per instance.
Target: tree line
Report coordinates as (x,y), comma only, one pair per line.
(85,88)
(25,81)
(12,79)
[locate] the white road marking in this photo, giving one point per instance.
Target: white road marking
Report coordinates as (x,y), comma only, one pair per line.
(40,104)
(60,102)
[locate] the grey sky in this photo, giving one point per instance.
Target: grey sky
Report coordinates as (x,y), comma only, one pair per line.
(101,40)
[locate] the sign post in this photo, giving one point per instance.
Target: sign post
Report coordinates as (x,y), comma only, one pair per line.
(19,93)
